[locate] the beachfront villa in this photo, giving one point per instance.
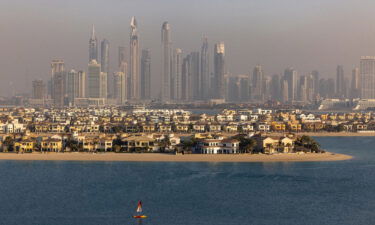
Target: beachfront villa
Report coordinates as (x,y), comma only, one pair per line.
(218,146)
(274,144)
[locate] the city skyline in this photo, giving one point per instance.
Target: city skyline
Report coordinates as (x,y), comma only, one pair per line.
(254,42)
(190,80)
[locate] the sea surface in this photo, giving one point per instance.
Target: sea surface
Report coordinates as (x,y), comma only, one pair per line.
(101,193)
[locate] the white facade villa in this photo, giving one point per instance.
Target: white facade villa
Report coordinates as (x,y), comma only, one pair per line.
(217,146)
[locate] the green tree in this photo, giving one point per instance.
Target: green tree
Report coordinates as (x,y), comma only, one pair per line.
(73,145)
(8,144)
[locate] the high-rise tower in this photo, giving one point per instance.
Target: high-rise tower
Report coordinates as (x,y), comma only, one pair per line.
(166,47)
(205,70)
(355,84)
(257,83)
(290,75)
(340,82)
(122,56)
(94,84)
(145,74)
(93,46)
(57,69)
(119,87)
(176,80)
(104,56)
(39,89)
(217,87)
(367,70)
(134,81)
(104,59)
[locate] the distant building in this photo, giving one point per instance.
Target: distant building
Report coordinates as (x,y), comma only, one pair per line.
(75,83)
(205,70)
(39,89)
(355,88)
(166,61)
(80,86)
(217,86)
(119,89)
(315,76)
(276,88)
(97,81)
(134,76)
(104,62)
(58,90)
(57,66)
(145,74)
(367,69)
(176,79)
(257,83)
(185,78)
(93,46)
(291,76)
(122,55)
(195,79)
(244,86)
(71,86)
(340,82)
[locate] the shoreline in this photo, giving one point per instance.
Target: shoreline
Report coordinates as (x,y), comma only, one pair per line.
(337,134)
(159,157)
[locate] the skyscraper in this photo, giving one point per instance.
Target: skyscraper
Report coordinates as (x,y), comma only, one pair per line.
(276,93)
(315,76)
(327,88)
(185,78)
(71,87)
(302,89)
(104,59)
(134,81)
(93,46)
(104,85)
(257,83)
(166,48)
(290,75)
(57,67)
(104,56)
(176,80)
(58,90)
(39,89)
(145,74)
(205,70)
(81,84)
(94,80)
(244,88)
(233,87)
(355,88)
(217,87)
(122,55)
(195,79)
(284,91)
(367,69)
(119,90)
(340,82)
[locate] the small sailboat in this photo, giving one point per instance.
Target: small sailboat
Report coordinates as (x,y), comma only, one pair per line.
(139,212)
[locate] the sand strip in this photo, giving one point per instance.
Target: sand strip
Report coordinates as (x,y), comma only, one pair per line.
(156,157)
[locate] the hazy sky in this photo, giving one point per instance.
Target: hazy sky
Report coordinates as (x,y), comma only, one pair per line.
(305,34)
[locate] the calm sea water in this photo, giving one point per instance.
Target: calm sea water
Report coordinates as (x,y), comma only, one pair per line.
(101,193)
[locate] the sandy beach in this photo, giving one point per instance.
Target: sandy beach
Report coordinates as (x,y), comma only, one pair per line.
(338,134)
(156,157)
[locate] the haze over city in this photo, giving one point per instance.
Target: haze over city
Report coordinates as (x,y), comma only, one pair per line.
(308,35)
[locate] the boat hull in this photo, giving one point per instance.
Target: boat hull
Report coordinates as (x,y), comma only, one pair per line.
(140,217)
